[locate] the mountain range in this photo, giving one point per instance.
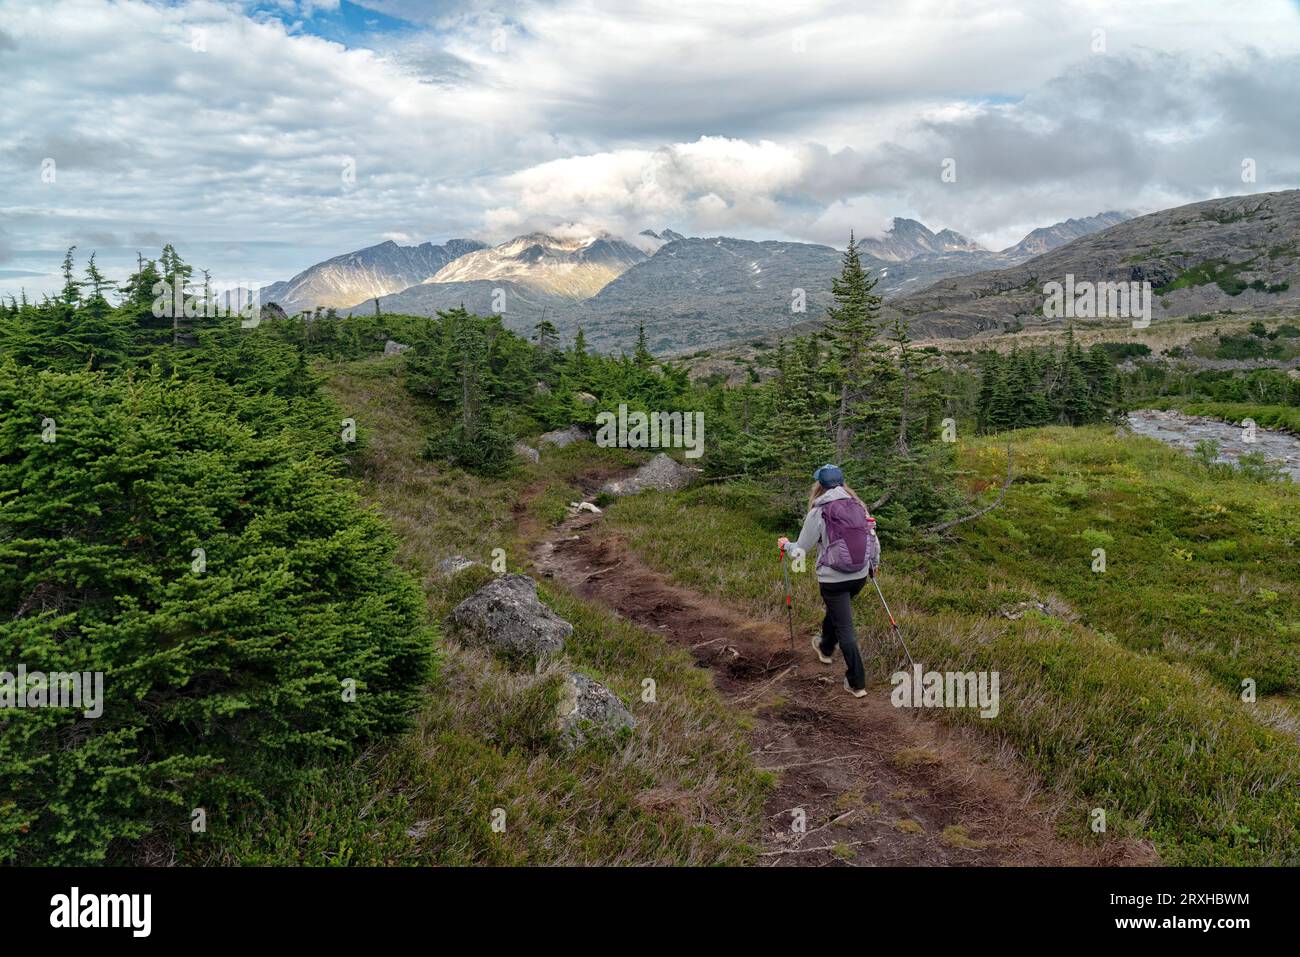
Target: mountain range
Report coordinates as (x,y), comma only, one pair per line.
(356,276)
(1239,252)
(563,268)
(1046,238)
(691,292)
(906,239)
(524,279)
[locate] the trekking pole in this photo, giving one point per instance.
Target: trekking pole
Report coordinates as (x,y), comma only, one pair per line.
(789,596)
(894,624)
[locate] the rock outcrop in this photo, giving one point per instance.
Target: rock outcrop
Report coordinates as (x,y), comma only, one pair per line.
(1052,608)
(562,437)
(590,710)
(661,474)
(1204,257)
(455,564)
(506,617)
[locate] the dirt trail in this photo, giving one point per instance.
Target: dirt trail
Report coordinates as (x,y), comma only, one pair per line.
(877,785)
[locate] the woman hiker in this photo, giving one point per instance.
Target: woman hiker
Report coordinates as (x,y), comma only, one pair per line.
(847,553)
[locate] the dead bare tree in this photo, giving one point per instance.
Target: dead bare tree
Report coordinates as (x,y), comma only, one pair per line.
(1002,494)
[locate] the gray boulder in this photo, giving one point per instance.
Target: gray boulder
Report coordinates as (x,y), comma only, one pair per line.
(661,474)
(506,617)
(526,451)
(586,398)
(455,564)
(1052,608)
(562,437)
(590,710)
(394,348)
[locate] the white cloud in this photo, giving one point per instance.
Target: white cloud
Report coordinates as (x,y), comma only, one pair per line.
(712,183)
(237,136)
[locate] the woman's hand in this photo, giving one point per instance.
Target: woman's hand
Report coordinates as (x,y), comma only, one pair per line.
(782,542)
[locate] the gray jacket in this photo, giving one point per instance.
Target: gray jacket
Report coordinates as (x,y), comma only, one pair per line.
(814,533)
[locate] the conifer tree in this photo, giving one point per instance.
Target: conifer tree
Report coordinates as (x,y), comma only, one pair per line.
(642,357)
(851,326)
(71,294)
(578,361)
(916,392)
(545,335)
(797,429)
(1074,405)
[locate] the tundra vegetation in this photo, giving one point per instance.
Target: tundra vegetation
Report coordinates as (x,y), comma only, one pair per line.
(295,683)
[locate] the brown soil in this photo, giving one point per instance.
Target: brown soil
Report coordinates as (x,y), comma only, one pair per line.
(877,785)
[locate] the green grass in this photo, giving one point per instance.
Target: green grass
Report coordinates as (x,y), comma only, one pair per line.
(1133,705)
(1224,217)
(1201,567)
(680,789)
(1130,705)
(1283,417)
(1224,274)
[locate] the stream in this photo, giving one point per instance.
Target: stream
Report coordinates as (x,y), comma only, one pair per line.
(1184,431)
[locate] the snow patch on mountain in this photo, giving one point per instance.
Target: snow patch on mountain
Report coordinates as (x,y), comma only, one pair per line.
(572,267)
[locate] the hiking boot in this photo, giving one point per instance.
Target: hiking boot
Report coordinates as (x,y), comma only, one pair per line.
(856,692)
(817,647)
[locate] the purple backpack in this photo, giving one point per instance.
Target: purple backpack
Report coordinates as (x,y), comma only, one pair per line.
(851,543)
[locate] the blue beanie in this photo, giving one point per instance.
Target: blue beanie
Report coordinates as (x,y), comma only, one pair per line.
(829,476)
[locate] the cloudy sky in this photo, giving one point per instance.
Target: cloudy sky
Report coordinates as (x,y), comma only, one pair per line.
(263,137)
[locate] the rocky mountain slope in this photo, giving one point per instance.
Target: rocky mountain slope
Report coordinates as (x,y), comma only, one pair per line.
(526,279)
(694,292)
(650,241)
(689,292)
(364,274)
(923,257)
(906,238)
(520,306)
(568,268)
(1046,238)
(1240,253)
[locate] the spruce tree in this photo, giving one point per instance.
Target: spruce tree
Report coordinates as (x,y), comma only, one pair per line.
(1074,406)
(578,362)
(850,324)
(642,357)
(546,336)
(796,430)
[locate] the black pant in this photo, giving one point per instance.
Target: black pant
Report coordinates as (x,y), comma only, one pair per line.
(837,627)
